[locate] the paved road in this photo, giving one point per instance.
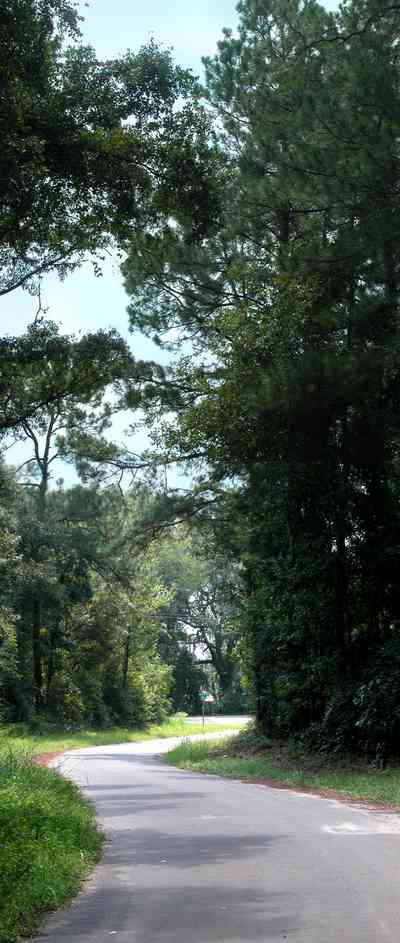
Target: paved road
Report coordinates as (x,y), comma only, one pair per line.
(239,720)
(197,859)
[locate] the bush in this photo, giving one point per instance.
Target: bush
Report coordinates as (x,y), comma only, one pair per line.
(150,691)
(48,842)
(363,716)
(9,676)
(236,700)
(65,704)
(145,699)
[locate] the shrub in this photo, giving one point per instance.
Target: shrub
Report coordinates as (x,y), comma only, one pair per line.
(48,842)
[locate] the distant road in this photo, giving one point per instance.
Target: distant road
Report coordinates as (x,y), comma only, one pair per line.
(237,721)
(200,859)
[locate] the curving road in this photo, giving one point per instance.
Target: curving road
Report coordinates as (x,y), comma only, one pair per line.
(197,859)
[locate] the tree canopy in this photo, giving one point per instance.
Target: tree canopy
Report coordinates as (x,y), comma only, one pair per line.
(262,249)
(290,395)
(92,150)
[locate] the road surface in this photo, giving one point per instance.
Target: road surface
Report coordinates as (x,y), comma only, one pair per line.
(198,859)
(239,720)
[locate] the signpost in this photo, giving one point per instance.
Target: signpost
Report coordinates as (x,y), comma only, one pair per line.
(206,698)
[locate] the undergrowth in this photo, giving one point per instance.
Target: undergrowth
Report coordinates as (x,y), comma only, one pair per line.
(48,843)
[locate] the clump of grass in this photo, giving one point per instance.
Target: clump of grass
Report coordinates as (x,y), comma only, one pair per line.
(248,742)
(288,767)
(48,843)
(49,739)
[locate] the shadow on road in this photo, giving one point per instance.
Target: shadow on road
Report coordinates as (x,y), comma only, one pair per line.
(202,914)
(145,846)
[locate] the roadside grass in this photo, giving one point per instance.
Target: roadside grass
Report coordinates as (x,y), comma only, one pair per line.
(48,843)
(52,739)
(286,765)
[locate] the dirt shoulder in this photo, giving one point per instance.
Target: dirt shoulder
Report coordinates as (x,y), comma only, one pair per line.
(44,759)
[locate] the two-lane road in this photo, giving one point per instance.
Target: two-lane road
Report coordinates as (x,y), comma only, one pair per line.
(197,859)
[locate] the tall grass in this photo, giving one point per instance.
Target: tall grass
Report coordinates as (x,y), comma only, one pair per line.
(48,842)
(50,739)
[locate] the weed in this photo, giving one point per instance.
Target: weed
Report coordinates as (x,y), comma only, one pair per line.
(48,842)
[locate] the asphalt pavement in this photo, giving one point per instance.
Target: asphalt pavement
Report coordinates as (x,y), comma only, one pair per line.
(197,859)
(239,720)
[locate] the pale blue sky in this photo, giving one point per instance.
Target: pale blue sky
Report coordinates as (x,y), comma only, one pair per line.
(82,302)
(192,30)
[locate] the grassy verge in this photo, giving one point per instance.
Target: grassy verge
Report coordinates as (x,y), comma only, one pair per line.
(48,836)
(286,765)
(18,737)
(48,843)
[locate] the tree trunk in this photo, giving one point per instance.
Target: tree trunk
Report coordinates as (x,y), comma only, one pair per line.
(37,654)
(125,668)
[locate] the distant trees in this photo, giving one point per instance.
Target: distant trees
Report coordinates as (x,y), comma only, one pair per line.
(78,624)
(95,627)
(199,634)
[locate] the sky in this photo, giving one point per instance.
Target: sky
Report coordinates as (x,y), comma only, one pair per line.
(82,302)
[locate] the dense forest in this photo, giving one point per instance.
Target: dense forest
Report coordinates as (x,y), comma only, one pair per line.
(256,220)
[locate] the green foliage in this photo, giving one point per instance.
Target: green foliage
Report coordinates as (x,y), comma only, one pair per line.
(46,374)
(103,625)
(189,679)
(149,693)
(80,621)
(290,398)
(65,703)
(48,843)
(286,406)
(9,674)
(236,699)
(199,633)
(92,150)
(364,714)
(9,565)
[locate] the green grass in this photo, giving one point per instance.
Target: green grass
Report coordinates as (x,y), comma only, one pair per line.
(290,769)
(48,836)
(18,737)
(48,843)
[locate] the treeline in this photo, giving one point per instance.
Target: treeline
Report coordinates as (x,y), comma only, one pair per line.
(105,616)
(291,398)
(101,620)
(260,238)
(97,627)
